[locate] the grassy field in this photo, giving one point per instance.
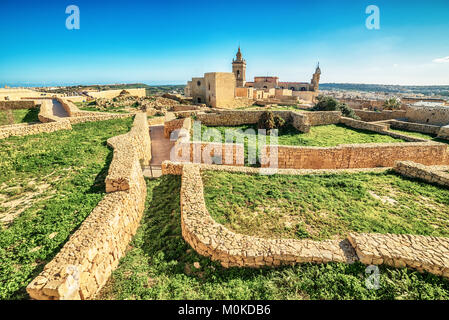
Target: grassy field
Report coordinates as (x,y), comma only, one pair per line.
(8,117)
(326,207)
(49,183)
(319,136)
(91,106)
(420,135)
(160,265)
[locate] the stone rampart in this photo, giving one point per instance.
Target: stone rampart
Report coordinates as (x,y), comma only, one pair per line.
(86,261)
(17,104)
(371,116)
(368,155)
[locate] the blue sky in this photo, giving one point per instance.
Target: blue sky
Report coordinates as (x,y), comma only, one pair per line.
(163,42)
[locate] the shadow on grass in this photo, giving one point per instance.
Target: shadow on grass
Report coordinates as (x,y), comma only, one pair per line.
(32,115)
(160,265)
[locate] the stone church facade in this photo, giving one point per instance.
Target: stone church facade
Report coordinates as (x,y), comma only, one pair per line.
(230,89)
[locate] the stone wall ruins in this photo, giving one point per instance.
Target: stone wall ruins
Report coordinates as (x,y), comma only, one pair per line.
(371,116)
(17,104)
(214,240)
(368,155)
(432,174)
(86,261)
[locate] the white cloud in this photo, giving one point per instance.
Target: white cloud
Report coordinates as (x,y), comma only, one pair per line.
(442,60)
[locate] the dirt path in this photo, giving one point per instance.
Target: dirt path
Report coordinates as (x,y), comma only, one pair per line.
(58,110)
(160,151)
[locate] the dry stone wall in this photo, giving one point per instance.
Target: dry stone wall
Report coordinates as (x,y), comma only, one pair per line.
(211,239)
(50,123)
(368,155)
(423,253)
(214,240)
(86,261)
(416,127)
(371,116)
(17,104)
(432,174)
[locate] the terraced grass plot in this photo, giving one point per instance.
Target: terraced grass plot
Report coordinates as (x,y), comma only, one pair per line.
(160,265)
(8,117)
(323,207)
(319,136)
(49,183)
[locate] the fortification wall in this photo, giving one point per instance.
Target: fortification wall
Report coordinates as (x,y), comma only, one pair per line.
(369,155)
(430,115)
(19,104)
(371,116)
(86,261)
(109,94)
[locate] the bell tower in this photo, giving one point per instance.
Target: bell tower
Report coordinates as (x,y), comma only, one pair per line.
(239,69)
(316,78)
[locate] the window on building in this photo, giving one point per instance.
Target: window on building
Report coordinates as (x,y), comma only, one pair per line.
(292,88)
(199,83)
(199,100)
(238,73)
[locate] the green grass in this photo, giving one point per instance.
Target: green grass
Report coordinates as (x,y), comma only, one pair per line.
(8,117)
(323,207)
(419,135)
(319,136)
(91,106)
(54,180)
(159,265)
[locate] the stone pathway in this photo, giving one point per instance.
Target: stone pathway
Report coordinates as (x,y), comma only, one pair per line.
(58,110)
(160,151)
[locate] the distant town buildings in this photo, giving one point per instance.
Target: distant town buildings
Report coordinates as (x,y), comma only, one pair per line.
(230,89)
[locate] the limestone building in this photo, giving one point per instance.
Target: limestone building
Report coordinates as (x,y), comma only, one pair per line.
(229,90)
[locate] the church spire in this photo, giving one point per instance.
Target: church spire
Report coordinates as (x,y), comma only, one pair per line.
(239,55)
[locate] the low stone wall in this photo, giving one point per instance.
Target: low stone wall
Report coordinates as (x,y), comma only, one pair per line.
(358,124)
(46,112)
(185,107)
(371,116)
(444,133)
(431,174)
(172,125)
(128,150)
(415,127)
(26,129)
(50,124)
(429,115)
(319,118)
(86,261)
(98,117)
(175,168)
(17,104)
(368,155)
(214,240)
(423,253)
